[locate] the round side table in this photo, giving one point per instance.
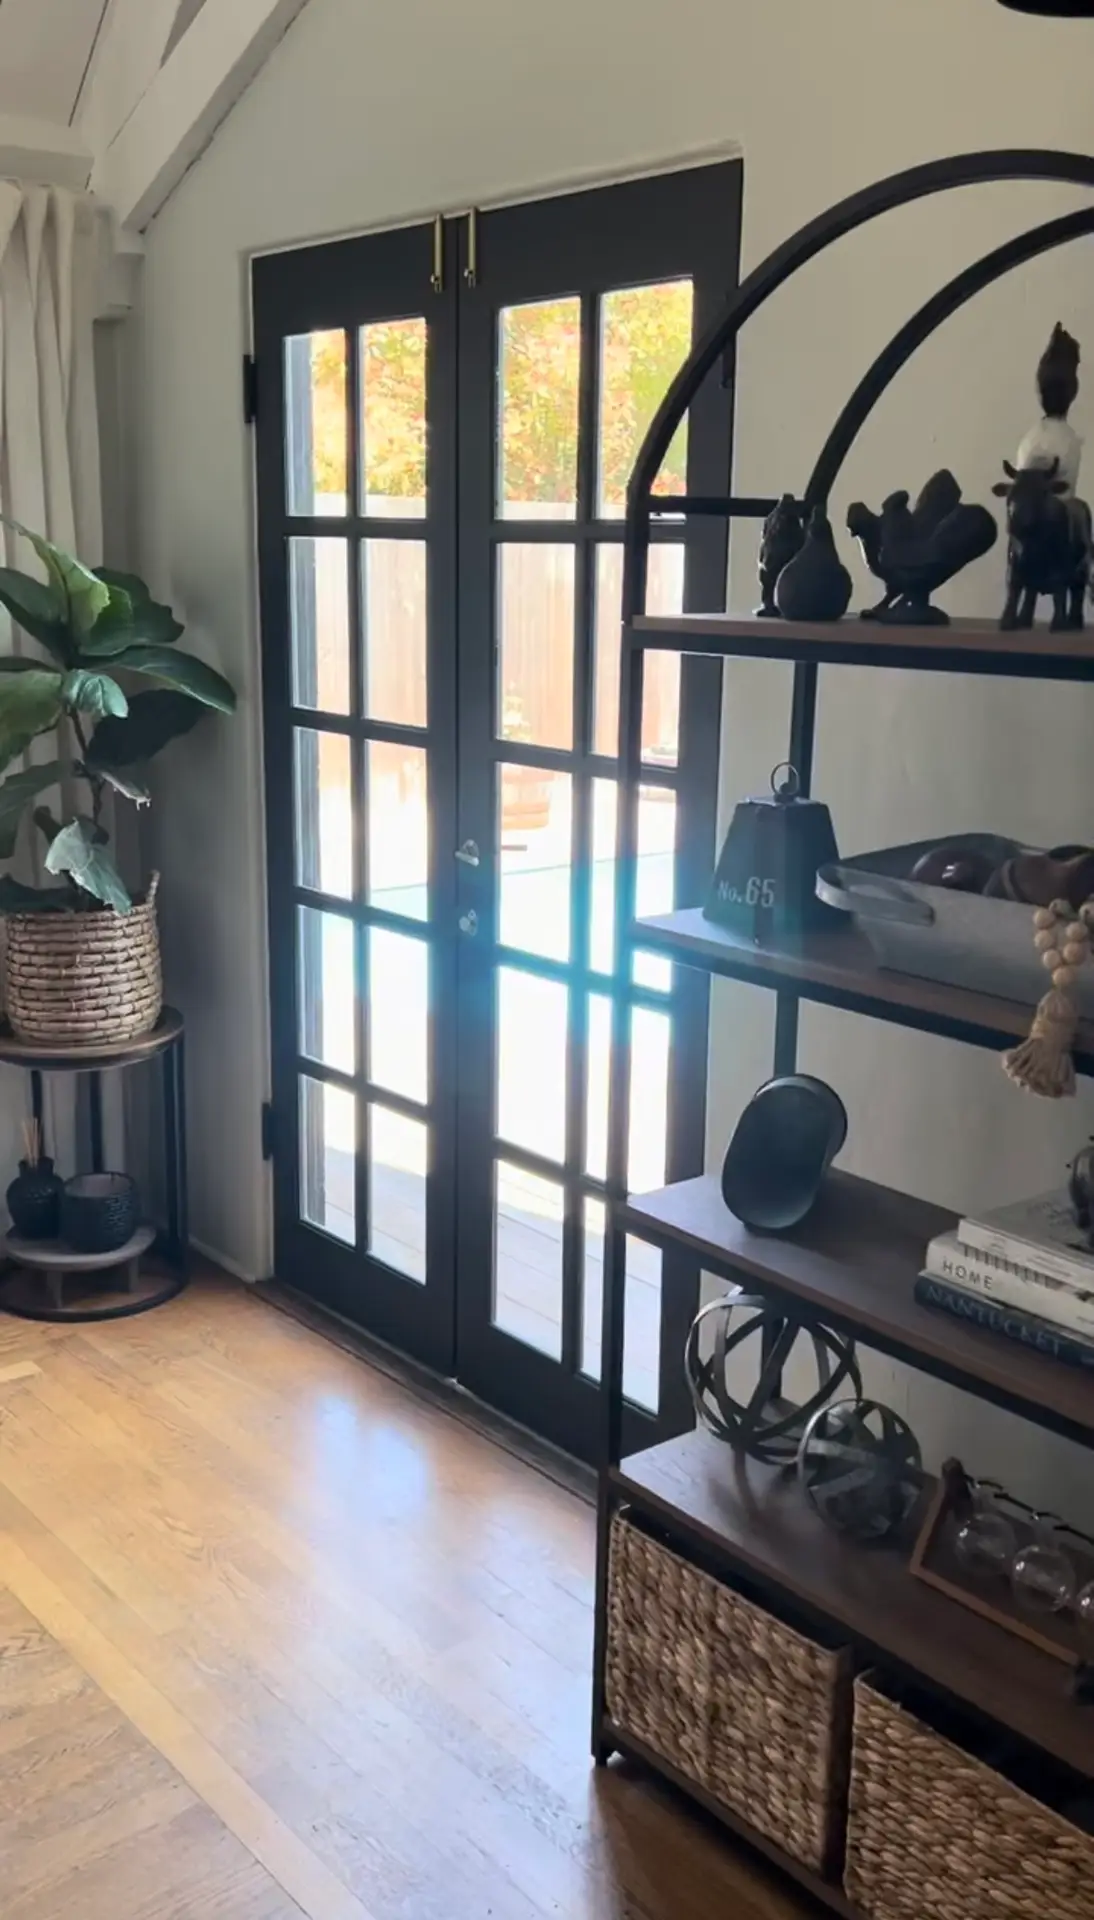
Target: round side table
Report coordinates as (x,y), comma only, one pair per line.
(166,1042)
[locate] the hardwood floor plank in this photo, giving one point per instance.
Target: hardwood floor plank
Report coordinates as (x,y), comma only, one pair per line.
(284,1639)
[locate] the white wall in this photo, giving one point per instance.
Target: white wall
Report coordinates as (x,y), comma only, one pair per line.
(369,116)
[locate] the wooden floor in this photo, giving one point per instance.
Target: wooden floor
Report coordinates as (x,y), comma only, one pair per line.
(278,1639)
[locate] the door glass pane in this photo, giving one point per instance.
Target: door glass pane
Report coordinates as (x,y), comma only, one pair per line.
(393,619)
(326,993)
(315,424)
(661,691)
(528,1218)
(654,882)
(319,624)
(642,1311)
(536,853)
(398,1013)
(651,1038)
(398,829)
(650,1041)
(598,1068)
(398,1167)
(393,419)
(645,336)
(533,1022)
(324,812)
(536,644)
(539,376)
(328,1145)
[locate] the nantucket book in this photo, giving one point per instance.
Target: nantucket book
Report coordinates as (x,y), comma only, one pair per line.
(1009,1322)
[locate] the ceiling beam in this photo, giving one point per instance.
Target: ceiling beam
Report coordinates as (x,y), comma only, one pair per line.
(127,58)
(183,105)
(38,150)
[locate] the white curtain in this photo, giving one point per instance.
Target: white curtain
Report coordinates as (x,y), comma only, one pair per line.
(49,462)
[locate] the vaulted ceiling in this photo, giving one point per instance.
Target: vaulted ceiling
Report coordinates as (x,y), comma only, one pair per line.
(123,94)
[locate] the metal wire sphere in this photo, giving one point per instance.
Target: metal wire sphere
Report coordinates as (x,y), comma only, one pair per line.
(861,1469)
(765,1426)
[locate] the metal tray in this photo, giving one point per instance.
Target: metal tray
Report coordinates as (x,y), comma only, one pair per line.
(961,939)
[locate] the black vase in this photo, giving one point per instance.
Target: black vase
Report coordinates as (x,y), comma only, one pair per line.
(815,585)
(34,1201)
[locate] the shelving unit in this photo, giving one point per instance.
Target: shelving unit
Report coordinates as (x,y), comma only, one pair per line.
(854,1263)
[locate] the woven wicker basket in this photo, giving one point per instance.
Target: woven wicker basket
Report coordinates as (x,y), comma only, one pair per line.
(736,1700)
(937,1835)
(84,979)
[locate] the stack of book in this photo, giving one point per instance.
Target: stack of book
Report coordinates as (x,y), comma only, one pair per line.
(1025,1271)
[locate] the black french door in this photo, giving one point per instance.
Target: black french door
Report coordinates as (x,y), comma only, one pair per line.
(447,417)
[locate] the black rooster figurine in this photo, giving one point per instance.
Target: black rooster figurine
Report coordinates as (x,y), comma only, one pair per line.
(914,551)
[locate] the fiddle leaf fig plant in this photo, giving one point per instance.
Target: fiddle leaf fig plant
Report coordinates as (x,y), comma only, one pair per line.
(101,631)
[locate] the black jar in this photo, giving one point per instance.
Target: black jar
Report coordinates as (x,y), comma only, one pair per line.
(34,1201)
(100,1212)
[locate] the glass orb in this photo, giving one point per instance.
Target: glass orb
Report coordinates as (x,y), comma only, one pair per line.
(985,1544)
(1042,1577)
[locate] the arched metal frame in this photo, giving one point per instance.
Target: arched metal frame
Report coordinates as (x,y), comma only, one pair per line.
(884,196)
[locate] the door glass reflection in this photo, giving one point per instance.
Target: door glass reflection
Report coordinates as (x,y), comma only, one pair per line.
(642,1311)
(315,424)
(398,829)
(319,624)
(325,988)
(398,1169)
(328,1146)
(533,1039)
(394,620)
(528,1223)
(393,419)
(324,812)
(536,853)
(645,337)
(539,376)
(655,881)
(661,687)
(536,644)
(398,1013)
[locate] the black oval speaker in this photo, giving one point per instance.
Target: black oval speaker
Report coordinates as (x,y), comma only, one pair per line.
(786,1139)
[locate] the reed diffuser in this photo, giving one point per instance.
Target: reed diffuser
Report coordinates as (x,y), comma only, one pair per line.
(34,1196)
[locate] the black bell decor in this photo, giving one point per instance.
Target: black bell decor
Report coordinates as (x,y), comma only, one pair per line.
(765,883)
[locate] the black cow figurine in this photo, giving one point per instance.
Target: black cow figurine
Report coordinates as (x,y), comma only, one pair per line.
(1050,547)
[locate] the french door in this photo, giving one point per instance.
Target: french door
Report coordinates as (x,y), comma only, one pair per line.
(447,417)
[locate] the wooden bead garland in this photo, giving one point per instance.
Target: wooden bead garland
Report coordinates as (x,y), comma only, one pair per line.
(1043,1063)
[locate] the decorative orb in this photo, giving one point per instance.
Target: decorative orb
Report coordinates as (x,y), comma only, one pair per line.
(764,1426)
(860,1466)
(1042,1577)
(985,1543)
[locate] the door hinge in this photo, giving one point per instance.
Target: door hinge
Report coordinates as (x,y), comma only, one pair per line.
(250,389)
(269,1131)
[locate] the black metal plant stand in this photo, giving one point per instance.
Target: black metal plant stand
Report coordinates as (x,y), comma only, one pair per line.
(167,1043)
(682,1485)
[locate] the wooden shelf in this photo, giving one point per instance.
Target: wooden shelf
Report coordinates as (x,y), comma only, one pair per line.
(756,1518)
(966,646)
(839,970)
(632,1748)
(854,1262)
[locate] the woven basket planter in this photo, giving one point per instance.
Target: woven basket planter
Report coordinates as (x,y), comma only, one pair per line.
(937,1835)
(84,979)
(746,1707)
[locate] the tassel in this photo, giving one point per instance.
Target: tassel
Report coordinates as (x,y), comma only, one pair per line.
(1043,1063)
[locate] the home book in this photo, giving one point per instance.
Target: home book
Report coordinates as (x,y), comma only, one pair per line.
(1011,1285)
(1039,1234)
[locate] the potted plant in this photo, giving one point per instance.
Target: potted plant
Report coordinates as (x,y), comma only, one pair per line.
(82,960)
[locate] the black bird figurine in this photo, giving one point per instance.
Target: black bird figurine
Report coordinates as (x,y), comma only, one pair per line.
(914,551)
